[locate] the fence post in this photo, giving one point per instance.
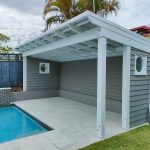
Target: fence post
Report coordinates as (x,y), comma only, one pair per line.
(17,57)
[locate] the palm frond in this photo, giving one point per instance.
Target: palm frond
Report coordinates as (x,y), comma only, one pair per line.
(68,9)
(47,6)
(48,10)
(53,19)
(109,6)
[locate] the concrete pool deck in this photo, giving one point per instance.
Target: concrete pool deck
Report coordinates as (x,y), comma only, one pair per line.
(74,125)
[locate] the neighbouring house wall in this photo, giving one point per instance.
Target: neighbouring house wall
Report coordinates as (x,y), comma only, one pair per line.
(78,81)
(139,92)
(40,85)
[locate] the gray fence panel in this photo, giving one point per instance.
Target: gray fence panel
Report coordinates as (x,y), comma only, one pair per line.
(11,72)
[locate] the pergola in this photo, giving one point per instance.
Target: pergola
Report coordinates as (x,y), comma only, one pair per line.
(89,36)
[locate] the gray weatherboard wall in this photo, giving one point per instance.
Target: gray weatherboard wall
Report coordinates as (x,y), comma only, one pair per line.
(74,80)
(78,81)
(40,85)
(139,91)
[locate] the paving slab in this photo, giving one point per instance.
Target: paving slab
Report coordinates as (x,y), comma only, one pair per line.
(74,125)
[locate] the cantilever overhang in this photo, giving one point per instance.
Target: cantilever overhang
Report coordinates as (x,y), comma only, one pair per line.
(76,39)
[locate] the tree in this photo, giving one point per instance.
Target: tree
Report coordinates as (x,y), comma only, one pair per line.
(63,9)
(66,9)
(3,40)
(102,7)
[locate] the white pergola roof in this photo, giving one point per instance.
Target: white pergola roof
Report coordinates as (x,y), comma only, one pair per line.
(76,39)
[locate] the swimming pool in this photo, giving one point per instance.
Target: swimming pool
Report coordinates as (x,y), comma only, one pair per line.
(15,123)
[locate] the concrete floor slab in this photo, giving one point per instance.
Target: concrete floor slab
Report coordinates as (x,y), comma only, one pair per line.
(74,125)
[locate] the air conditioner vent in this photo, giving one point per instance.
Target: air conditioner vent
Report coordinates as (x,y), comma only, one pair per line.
(44,68)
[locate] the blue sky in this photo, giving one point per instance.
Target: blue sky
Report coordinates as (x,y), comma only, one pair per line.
(22,19)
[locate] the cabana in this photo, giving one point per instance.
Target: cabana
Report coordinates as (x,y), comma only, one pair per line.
(93,61)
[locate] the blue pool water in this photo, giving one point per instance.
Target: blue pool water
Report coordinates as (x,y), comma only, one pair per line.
(15,124)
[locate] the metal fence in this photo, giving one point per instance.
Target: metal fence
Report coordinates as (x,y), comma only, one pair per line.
(11,70)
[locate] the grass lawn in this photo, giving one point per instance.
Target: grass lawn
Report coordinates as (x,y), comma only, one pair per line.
(137,139)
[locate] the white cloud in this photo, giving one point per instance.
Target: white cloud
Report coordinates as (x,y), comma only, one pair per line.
(133,13)
(20,24)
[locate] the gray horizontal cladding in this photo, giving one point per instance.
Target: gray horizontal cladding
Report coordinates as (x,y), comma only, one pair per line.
(111,105)
(78,81)
(90,100)
(79,77)
(139,92)
(41,82)
(18,96)
(114,79)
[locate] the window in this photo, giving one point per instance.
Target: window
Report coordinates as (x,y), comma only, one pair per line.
(140,65)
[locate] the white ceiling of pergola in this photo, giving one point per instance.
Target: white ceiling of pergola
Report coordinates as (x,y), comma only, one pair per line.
(80,51)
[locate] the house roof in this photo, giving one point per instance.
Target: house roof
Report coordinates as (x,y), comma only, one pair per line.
(147,28)
(79,35)
(141,30)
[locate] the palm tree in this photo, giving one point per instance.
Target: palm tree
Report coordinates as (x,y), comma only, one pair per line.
(63,10)
(66,9)
(102,7)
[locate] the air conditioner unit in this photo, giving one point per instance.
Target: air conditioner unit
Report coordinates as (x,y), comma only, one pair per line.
(44,68)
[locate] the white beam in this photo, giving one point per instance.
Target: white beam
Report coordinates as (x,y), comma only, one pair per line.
(74,28)
(79,38)
(60,34)
(83,22)
(23,49)
(24,73)
(73,20)
(101,86)
(48,38)
(41,43)
(100,21)
(35,44)
(91,43)
(78,58)
(83,47)
(29,46)
(126,87)
(125,40)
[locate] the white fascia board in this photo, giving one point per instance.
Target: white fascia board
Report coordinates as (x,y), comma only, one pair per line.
(100,21)
(63,25)
(125,40)
(79,38)
(120,34)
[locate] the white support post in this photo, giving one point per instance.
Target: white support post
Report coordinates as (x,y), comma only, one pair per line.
(101,86)
(24,73)
(126,87)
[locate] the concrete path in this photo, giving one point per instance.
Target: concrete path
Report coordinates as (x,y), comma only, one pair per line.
(74,125)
